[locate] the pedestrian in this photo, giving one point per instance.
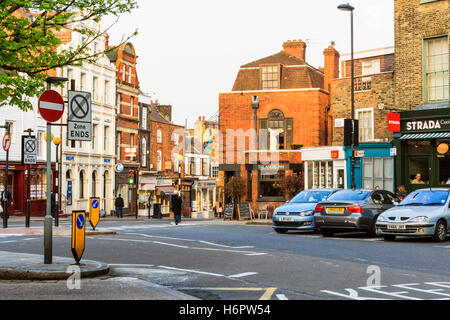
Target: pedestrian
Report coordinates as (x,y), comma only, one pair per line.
(448,180)
(176,203)
(401,192)
(54,205)
(220,209)
(418,179)
(6,201)
(119,206)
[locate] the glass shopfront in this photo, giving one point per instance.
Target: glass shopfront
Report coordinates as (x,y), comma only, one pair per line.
(424,149)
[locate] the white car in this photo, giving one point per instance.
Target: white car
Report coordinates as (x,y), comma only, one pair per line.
(424,212)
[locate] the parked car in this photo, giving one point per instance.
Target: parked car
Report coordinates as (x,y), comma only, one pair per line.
(424,212)
(352,210)
(298,213)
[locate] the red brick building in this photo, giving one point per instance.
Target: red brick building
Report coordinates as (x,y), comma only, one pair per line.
(292,113)
(127,123)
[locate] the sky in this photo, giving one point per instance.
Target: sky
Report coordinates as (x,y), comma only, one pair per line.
(190,51)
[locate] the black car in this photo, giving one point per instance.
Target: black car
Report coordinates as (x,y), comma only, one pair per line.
(352,210)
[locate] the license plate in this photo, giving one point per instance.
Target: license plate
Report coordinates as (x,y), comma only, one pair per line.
(287,219)
(335,210)
(396,227)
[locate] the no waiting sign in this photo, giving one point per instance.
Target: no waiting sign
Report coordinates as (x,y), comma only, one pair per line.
(80,116)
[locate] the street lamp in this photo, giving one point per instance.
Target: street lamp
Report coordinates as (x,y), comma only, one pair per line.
(57,142)
(347,7)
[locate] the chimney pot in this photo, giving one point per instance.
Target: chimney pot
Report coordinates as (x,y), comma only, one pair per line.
(296,48)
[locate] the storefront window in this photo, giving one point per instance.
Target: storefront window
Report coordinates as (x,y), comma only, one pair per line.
(320,174)
(269,183)
(38,184)
(443,154)
(378,172)
(419,147)
(418,170)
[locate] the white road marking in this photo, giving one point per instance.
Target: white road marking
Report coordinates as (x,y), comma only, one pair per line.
(281,297)
(245,274)
(170,244)
(192,271)
(119,265)
(225,246)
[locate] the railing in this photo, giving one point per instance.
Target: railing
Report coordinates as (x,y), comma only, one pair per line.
(363,84)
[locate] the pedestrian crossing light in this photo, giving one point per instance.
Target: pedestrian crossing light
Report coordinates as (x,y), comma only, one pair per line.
(131,177)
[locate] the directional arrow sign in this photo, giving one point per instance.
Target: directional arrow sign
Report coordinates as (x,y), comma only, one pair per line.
(51,106)
(94,212)
(78,234)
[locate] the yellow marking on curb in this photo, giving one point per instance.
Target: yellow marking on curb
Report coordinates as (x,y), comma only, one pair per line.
(268,294)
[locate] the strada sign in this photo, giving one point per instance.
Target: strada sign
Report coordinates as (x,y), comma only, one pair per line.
(427,125)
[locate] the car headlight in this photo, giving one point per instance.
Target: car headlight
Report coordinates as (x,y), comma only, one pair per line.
(419,219)
(382,219)
(307,213)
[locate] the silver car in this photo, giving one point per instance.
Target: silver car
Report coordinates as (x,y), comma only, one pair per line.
(424,212)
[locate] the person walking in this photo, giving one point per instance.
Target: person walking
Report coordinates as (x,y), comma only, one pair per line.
(220,210)
(119,206)
(401,193)
(6,200)
(177,202)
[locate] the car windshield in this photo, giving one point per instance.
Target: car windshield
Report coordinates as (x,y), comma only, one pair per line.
(350,195)
(426,198)
(310,196)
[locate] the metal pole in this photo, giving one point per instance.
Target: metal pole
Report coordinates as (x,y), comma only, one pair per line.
(27,215)
(48,216)
(353,103)
(5,189)
(57,186)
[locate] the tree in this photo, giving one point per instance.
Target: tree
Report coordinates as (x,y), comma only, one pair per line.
(29,41)
(235,189)
(292,184)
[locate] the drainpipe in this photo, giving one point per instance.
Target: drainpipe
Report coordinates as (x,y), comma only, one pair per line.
(327,109)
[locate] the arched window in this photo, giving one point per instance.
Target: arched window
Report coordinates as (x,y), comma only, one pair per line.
(81,185)
(144,153)
(94,183)
(279,131)
(105,179)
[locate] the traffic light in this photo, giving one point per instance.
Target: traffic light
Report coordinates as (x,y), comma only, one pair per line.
(131,177)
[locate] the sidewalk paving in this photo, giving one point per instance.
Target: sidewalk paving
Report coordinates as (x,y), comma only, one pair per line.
(62,231)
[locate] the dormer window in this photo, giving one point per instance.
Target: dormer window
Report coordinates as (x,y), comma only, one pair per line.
(270,77)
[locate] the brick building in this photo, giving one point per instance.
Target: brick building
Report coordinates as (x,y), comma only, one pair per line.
(422,89)
(127,123)
(290,100)
(374,99)
(166,144)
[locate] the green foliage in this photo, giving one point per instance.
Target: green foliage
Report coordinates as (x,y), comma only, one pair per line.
(29,42)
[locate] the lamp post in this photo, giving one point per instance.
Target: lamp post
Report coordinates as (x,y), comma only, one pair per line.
(57,142)
(347,7)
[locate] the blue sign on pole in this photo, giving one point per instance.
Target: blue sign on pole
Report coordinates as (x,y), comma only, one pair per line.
(80,221)
(95,204)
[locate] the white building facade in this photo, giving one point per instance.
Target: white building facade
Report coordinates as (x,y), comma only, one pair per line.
(88,167)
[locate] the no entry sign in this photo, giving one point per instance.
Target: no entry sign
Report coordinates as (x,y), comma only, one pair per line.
(6,142)
(51,106)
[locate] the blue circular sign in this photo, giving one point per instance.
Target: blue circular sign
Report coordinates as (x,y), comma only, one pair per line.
(80,221)
(95,204)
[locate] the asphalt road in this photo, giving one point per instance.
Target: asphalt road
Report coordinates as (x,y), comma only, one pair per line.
(218,261)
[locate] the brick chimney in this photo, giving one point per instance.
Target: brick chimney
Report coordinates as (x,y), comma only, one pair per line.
(296,48)
(331,68)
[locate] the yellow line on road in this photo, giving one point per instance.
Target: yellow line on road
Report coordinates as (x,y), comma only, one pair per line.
(268,294)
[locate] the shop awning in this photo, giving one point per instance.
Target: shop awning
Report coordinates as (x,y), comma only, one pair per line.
(168,190)
(422,136)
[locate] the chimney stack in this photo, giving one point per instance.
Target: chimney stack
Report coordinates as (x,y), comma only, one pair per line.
(331,67)
(296,48)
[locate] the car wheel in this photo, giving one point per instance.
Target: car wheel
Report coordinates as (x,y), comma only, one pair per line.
(326,233)
(280,230)
(388,237)
(440,233)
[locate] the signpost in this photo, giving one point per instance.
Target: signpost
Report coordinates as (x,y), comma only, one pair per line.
(29,157)
(94,212)
(80,116)
(6,144)
(51,108)
(78,234)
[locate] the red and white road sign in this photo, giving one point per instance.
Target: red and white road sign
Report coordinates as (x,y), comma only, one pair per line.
(51,106)
(6,142)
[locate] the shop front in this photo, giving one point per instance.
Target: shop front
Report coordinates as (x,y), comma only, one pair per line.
(127,190)
(205,191)
(17,185)
(374,166)
(423,146)
(324,167)
(147,188)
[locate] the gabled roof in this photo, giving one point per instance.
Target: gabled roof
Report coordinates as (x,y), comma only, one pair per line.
(278,58)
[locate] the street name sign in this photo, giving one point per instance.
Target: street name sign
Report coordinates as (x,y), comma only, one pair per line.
(79,124)
(6,142)
(51,106)
(29,150)
(94,212)
(78,234)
